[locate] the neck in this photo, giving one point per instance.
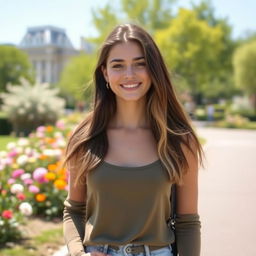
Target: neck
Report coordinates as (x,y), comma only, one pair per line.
(130,115)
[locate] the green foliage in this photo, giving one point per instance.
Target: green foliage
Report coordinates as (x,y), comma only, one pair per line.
(152,14)
(191,48)
(5,126)
(236,121)
(28,106)
(31,248)
(104,19)
(4,140)
(244,67)
(77,76)
(14,64)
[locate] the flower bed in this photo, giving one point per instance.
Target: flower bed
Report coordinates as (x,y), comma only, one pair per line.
(32,180)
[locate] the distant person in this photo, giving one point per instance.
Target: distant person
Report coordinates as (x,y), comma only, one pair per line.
(210,112)
(125,155)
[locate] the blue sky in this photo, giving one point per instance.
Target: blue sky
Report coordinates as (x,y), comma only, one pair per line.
(75,16)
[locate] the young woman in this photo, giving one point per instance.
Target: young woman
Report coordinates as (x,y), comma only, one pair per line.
(125,156)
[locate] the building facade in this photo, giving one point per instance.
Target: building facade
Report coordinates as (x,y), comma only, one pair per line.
(49,49)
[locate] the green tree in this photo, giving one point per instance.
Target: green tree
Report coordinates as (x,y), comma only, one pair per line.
(152,14)
(76,77)
(14,64)
(221,82)
(191,48)
(244,62)
(104,19)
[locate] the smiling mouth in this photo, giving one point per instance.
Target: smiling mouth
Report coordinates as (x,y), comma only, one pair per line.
(130,86)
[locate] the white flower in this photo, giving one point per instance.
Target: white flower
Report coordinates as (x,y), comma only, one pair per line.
(11,145)
(58,135)
(21,160)
(27,105)
(25,176)
(19,150)
(28,151)
(61,143)
(26,209)
(21,111)
(3,154)
(57,152)
(48,152)
(1,222)
(17,188)
(23,142)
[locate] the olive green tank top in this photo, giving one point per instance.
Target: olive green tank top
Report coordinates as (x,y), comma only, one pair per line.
(128,205)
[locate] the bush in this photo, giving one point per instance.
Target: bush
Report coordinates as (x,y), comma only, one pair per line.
(28,106)
(5,126)
(236,121)
(219,113)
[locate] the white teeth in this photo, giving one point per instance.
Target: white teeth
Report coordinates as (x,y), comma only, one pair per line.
(130,85)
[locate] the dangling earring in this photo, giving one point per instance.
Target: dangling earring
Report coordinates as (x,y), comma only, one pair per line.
(107,85)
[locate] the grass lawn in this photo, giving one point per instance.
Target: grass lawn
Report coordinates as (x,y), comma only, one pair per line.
(42,245)
(45,238)
(4,140)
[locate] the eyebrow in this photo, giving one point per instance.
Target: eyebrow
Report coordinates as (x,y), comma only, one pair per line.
(121,60)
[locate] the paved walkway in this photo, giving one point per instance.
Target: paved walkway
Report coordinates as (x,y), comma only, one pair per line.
(227,202)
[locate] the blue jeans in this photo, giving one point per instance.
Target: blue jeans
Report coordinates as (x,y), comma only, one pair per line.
(165,251)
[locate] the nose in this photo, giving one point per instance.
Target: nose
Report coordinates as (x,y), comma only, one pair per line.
(129,72)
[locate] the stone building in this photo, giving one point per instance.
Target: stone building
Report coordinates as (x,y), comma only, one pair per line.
(49,49)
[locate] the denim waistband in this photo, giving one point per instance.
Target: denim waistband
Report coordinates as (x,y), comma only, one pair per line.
(123,248)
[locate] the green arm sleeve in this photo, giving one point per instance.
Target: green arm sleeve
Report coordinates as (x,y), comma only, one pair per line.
(74,226)
(188,234)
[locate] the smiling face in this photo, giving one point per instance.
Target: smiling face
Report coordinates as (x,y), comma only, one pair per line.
(126,71)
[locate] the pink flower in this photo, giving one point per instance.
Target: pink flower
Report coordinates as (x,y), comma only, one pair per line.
(60,124)
(39,174)
(40,129)
(7,214)
(28,181)
(13,153)
(33,189)
(11,181)
(17,173)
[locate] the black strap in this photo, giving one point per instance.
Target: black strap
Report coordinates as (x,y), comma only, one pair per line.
(173,216)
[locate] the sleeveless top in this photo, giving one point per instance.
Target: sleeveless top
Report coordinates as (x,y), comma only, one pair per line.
(128,205)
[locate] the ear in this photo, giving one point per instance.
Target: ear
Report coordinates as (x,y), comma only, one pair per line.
(104,72)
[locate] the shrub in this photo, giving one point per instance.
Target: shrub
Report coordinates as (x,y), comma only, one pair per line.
(29,106)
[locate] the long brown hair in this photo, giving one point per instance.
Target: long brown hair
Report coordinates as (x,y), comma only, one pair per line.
(171,127)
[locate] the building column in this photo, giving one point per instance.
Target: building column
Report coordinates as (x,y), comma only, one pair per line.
(38,71)
(49,71)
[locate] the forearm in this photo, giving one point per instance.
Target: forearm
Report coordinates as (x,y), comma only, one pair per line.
(188,234)
(74,226)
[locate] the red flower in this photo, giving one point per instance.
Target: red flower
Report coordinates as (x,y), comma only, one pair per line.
(4,192)
(7,214)
(21,196)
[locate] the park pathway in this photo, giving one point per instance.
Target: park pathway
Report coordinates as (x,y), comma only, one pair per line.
(227,187)
(227,200)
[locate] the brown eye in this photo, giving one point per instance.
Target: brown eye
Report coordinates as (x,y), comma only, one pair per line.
(117,66)
(141,64)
